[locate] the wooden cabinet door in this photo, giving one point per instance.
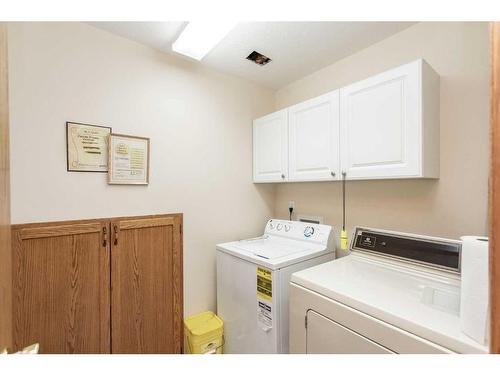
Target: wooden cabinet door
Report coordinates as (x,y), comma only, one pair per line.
(270,147)
(314,139)
(61,286)
(381,125)
(146,285)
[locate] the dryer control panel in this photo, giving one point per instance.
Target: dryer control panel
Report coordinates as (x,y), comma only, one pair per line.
(424,250)
(318,233)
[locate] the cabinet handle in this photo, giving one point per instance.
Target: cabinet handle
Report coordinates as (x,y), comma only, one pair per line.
(115,228)
(104,236)
(333,174)
(283,175)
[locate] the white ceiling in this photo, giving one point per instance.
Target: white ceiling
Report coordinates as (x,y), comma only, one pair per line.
(296,48)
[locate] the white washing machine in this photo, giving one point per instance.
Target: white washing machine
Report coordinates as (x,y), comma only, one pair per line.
(253,277)
(395,293)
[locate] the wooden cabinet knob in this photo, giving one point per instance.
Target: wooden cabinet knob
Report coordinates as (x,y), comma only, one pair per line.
(104,236)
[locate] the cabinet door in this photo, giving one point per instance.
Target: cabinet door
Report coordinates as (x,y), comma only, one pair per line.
(61,286)
(381,125)
(146,285)
(324,336)
(270,147)
(314,139)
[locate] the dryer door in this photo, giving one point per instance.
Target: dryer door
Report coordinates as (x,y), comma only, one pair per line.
(324,336)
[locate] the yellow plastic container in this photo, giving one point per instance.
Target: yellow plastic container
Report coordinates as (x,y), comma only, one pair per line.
(204,334)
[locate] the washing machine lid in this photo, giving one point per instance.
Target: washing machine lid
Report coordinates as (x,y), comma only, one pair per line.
(274,247)
(284,243)
(273,251)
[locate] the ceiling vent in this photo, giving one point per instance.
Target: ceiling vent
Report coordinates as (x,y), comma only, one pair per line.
(258,58)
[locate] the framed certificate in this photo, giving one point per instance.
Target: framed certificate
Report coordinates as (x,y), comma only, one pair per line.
(128,160)
(86,147)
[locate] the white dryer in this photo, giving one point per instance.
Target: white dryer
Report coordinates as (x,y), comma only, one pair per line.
(395,293)
(253,277)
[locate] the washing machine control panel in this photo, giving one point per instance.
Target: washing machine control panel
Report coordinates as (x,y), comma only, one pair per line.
(299,231)
(308,231)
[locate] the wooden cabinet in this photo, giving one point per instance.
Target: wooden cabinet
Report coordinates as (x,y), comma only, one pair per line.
(61,287)
(99,286)
(314,139)
(390,124)
(386,126)
(146,297)
(270,147)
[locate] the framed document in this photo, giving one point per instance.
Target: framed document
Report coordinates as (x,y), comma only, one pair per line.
(128,160)
(86,147)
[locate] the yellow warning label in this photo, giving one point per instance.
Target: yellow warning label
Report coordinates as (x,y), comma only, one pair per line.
(264,273)
(264,284)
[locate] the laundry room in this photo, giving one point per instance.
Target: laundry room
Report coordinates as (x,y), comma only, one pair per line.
(282,186)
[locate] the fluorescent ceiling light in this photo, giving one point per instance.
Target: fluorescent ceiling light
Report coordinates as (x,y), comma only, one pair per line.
(199,37)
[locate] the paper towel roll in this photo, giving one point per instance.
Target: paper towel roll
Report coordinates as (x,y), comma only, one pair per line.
(474,298)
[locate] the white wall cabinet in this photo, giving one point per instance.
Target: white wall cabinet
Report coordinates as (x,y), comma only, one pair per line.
(390,124)
(270,147)
(314,153)
(386,126)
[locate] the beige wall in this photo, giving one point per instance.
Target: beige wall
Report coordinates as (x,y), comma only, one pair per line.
(5,243)
(199,122)
(454,205)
